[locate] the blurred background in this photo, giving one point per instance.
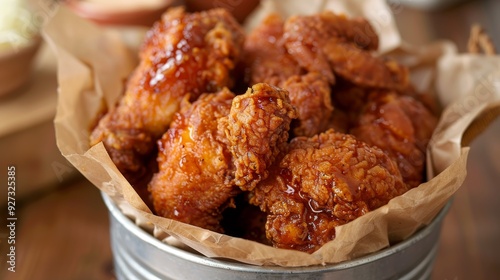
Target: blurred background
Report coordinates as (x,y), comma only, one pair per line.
(62,228)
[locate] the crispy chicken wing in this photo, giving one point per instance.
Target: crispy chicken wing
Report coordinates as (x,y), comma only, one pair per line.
(305,37)
(402,127)
(333,44)
(195,179)
(257,128)
(183,55)
(364,69)
(323,182)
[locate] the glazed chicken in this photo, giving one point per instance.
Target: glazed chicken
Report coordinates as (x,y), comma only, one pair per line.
(195,179)
(281,151)
(215,146)
(323,182)
(183,55)
(328,179)
(335,45)
(402,127)
(304,54)
(257,128)
(267,60)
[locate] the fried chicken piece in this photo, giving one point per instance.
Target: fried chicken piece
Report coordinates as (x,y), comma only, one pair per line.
(183,54)
(323,182)
(257,129)
(311,95)
(333,44)
(266,59)
(364,69)
(215,146)
(402,127)
(195,179)
(305,37)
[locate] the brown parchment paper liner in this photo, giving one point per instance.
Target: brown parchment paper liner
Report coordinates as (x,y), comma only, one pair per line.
(94,61)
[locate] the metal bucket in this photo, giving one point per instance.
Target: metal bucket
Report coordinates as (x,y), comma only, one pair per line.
(138,255)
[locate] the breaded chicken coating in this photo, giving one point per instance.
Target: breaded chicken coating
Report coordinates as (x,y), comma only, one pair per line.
(305,37)
(257,129)
(335,45)
(323,182)
(195,179)
(183,55)
(402,127)
(268,61)
(216,147)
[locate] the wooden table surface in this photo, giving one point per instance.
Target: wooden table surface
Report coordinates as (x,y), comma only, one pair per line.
(62,232)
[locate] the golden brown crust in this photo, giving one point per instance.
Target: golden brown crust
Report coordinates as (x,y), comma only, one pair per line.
(401,126)
(195,179)
(257,130)
(323,182)
(183,54)
(305,37)
(363,68)
(219,145)
(215,145)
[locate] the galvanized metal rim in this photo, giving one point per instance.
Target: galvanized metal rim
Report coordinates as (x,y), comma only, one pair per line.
(237,266)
